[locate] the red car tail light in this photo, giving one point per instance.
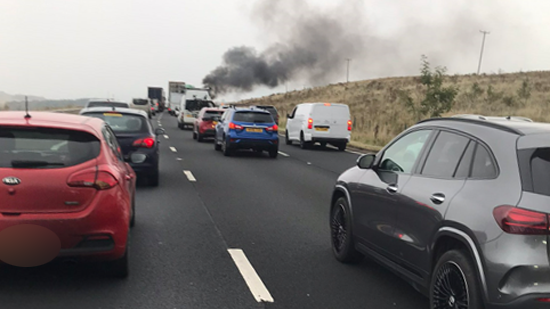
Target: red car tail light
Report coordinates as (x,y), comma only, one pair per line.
(100,180)
(233,126)
(349,125)
(310,123)
(520,221)
(274,128)
(147,142)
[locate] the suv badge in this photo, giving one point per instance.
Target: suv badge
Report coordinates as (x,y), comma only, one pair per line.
(11,181)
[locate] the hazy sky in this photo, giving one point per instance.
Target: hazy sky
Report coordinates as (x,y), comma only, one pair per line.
(94,48)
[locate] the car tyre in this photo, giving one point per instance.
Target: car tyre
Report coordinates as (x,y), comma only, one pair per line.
(225,148)
(324,144)
(154,179)
(341,234)
(287,140)
(119,268)
(217,146)
(273,153)
(200,138)
(303,143)
(342,146)
(454,282)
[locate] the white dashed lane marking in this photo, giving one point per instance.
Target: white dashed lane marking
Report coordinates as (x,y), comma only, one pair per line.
(166,136)
(173,149)
(255,284)
(190,176)
(284,154)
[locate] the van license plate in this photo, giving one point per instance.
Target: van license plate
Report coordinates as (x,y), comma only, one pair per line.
(321,129)
(254,130)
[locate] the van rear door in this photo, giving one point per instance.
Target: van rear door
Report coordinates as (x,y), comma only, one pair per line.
(330,120)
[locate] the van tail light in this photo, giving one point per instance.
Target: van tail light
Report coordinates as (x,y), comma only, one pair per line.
(100,180)
(349,125)
(310,123)
(520,221)
(233,126)
(147,142)
(274,128)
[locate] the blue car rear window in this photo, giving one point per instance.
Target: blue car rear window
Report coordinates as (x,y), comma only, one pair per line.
(254,117)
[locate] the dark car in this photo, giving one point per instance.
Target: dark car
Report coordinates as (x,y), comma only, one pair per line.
(64,175)
(458,207)
(271,109)
(247,129)
(135,134)
(205,124)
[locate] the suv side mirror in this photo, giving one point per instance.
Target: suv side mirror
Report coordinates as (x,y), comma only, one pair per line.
(288,116)
(159,131)
(366,161)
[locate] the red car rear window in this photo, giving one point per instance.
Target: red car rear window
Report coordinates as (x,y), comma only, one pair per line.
(45,147)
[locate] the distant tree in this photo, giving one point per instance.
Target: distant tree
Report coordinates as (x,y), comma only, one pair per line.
(524,92)
(435,99)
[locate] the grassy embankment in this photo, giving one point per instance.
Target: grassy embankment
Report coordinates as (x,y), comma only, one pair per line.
(378,113)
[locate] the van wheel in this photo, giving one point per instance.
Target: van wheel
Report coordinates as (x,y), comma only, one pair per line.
(303,143)
(199,137)
(454,283)
(342,146)
(194,135)
(180,126)
(287,140)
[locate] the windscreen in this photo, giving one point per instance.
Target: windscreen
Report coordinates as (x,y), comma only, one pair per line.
(330,112)
(195,105)
(253,117)
(107,104)
(123,123)
(45,148)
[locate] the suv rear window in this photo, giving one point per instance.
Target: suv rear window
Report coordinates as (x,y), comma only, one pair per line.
(330,112)
(254,117)
(122,123)
(45,148)
(535,170)
(107,104)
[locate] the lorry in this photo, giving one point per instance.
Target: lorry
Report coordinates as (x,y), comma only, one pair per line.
(176,90)
(156,94)
(191,104)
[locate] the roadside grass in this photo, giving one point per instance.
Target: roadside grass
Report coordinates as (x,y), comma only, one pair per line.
(378,114)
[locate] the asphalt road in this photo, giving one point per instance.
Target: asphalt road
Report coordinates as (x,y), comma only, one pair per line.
(274,210)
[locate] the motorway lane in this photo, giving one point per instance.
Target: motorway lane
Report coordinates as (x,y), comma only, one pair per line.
(277,210)
(178,260)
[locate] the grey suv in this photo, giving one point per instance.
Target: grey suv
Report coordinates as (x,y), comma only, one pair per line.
(457,207)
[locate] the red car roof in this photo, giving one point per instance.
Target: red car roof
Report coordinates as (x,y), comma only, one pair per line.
(52,120)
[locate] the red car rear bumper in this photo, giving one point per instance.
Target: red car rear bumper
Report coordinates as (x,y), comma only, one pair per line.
(99,232)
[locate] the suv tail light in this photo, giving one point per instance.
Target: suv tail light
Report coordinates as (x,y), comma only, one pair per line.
(147,142)
(100,180)
(310,123)
(349,125)
(274,128)
(233,126)
(520,221)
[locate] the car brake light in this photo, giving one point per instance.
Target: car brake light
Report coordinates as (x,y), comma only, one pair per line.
(349,125)
(544,300)
(310,123)
(273,128)
(147,142)
(520,221)
(91,179)
(233,126)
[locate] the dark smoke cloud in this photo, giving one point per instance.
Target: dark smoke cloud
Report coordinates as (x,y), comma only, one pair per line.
(312,45)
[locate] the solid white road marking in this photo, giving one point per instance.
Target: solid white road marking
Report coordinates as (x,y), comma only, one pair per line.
(190,176)
(354,152)
(255,284)
(283,154)
(166,136)
(173,149)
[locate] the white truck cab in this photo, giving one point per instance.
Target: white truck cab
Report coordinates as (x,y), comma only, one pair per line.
(190,105)
(324,123)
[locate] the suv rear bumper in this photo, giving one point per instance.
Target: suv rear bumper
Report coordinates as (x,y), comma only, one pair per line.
(244,143)
(527,301)
(329,140)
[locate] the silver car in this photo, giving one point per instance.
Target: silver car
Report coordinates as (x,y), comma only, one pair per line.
(458,207)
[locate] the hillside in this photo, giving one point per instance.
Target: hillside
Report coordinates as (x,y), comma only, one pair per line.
(5,97)
(378,113)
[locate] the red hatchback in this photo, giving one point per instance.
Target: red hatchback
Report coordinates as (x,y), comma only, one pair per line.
(66,174)
(205,124)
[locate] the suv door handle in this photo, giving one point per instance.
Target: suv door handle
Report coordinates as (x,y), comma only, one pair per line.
(391,188)
(437,198)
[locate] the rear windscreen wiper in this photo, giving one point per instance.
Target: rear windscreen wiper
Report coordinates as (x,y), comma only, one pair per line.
(22,163)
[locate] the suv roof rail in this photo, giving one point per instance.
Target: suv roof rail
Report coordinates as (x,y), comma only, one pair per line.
(481,121)
(482,117)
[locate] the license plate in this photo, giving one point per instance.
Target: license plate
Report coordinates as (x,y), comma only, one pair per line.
(321,129)
(254,130)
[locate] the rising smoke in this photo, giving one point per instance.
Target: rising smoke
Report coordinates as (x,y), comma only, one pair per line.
(312,45)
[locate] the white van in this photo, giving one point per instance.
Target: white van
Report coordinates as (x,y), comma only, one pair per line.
(190,106)
(319,122)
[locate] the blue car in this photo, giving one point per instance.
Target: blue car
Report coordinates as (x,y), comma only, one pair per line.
(247,128)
